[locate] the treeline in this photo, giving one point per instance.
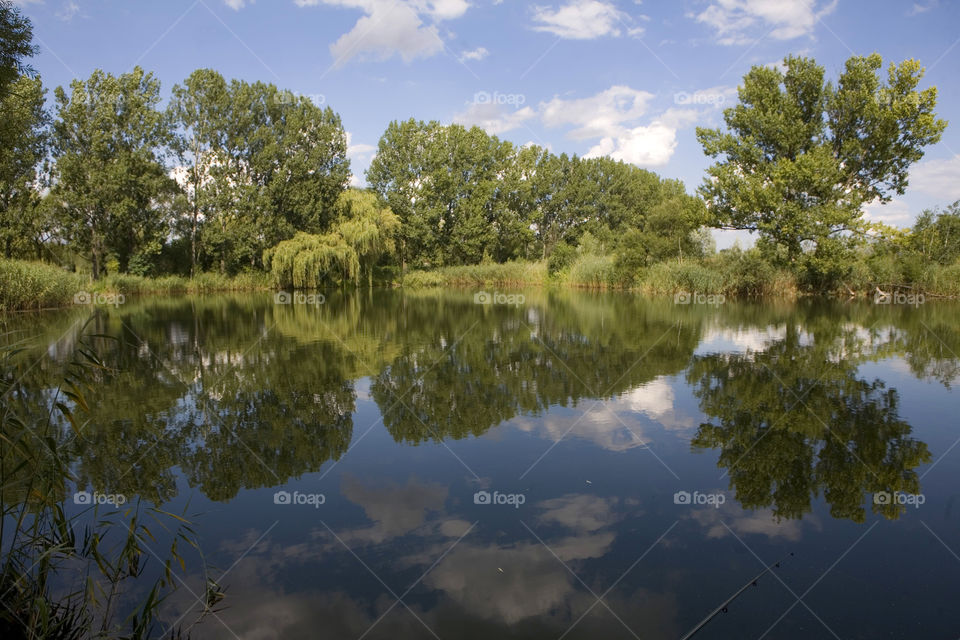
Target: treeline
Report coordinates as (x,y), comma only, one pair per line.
(230,169)
(237,177)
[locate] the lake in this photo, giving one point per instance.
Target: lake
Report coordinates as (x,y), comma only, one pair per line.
(530,464)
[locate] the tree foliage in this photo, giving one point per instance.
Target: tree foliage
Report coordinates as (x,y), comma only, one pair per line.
(801,156)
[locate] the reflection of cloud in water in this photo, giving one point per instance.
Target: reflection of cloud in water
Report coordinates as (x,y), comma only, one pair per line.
(617,424)
(394,509)
(761,522)
(486,586)
(739,340)
(579,512)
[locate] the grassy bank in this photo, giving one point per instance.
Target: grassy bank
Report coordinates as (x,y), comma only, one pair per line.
(735,274)
(33,285)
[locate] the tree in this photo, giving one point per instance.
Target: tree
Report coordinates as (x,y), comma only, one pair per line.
(936,235)
(259,164)
(16,43)
(367,227)
(109,181)
(801,157)
(200,108)
(363,233)
(23,144)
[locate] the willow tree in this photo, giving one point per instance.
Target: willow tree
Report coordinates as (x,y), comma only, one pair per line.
(801,156)
(368,227)
(363,233)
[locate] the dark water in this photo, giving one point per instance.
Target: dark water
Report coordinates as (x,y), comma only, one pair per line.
(393,465)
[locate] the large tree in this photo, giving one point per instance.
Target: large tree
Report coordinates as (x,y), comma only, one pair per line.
(109,181)
(257,164)
(23,144)
(801,156)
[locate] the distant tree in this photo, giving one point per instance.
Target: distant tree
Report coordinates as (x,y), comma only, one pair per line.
(109,180)
(936,235)
(801,156)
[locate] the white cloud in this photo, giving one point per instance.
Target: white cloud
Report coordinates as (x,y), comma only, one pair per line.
(743,21)
(613,116)
(940,178)
(360,156)
(581,20)
(404,27)
(918,8)
(895,212)
(236,5)
(598,115)
(493,118)
(651,146)
(475,54)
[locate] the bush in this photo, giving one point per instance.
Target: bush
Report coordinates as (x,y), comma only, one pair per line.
(561,257)
(34,285)
(592,271)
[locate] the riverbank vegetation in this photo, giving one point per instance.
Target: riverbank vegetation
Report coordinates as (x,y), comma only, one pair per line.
(121,187)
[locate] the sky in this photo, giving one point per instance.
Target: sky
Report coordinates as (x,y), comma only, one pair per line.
(623,78)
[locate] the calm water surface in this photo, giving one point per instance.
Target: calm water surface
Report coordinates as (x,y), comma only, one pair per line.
(390,465)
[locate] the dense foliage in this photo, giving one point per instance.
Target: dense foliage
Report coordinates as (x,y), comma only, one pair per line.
(237,177)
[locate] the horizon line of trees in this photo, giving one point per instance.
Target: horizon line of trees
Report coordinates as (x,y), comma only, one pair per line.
(235,175)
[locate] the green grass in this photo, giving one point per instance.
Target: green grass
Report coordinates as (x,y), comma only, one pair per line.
(505,275)
(26,286)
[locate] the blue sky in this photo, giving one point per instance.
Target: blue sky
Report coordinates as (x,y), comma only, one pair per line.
(626,78)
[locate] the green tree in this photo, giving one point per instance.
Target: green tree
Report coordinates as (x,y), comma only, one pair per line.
(200,109)
(23,144)
(936,235)
(109,181)
(801,156)
(16,44)
(363,233)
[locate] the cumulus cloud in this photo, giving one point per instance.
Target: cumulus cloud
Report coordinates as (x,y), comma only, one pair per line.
(939,178)
(494,118)
(407,28)
(895,212)
(581,20)
(597,115)
(474,54)
(236,5)
(743,21)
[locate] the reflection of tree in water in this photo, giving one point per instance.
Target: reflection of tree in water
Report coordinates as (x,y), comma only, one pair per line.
(465,369)
(241,393)
(842,437)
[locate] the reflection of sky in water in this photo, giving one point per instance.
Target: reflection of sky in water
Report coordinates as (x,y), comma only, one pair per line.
(598,477)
